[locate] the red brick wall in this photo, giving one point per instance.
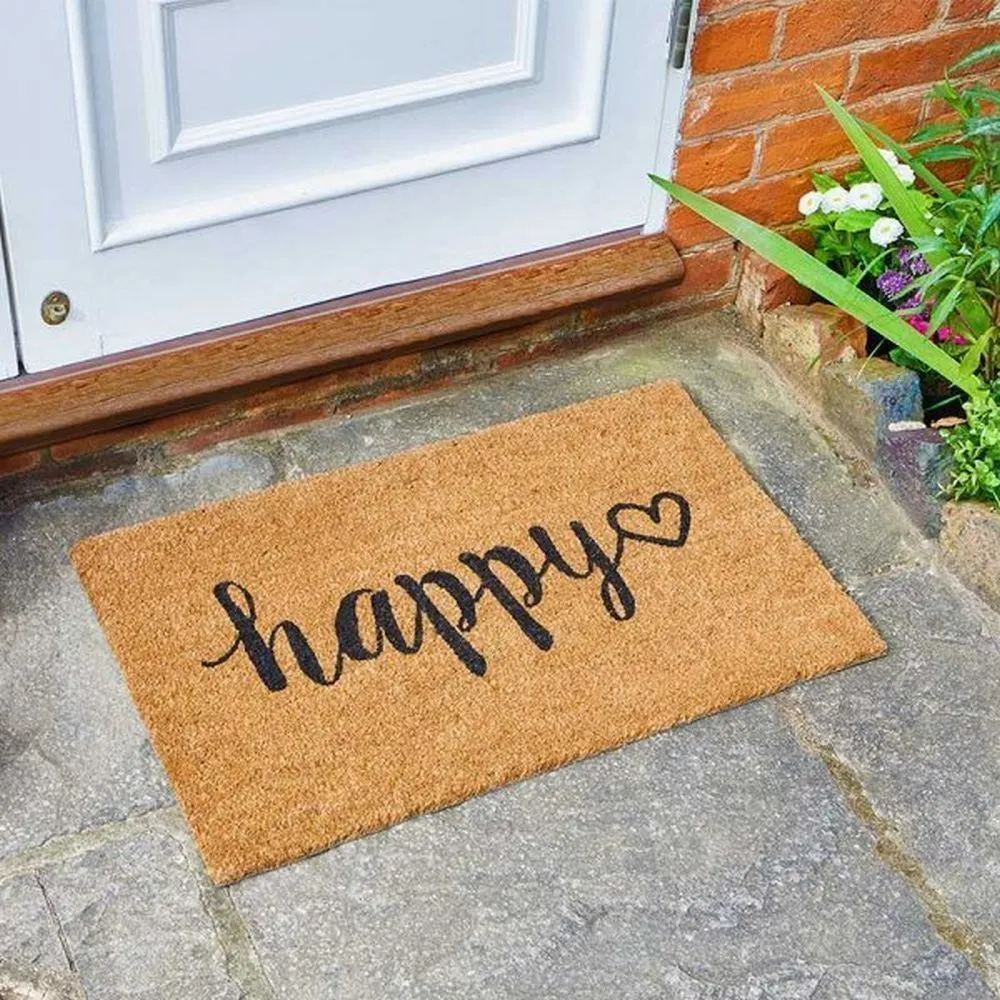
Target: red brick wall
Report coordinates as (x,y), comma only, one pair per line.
(752,126)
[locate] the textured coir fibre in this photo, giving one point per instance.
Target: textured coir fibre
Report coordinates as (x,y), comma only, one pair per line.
(325,658)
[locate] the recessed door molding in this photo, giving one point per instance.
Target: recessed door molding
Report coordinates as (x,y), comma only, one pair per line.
(169,138)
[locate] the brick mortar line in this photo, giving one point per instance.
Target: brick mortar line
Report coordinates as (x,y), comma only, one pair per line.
(890,849)
(853,68)
(752,128)
(837,163)
(856,48)
(749,182)
(778,40)
(757,160)
(751,7)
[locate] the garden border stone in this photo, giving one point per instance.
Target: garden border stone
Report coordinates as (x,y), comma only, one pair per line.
(915,463)
(876,405)
(970,543)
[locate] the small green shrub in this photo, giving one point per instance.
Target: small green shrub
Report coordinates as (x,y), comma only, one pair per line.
(975,446)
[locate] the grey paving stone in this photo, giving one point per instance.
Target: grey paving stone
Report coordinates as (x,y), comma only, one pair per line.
(27,982)
(73,752)
(922,729)
(134,924)
(716,860)
(28,934)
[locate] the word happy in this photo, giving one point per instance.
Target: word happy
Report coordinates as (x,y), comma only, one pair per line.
(441,603)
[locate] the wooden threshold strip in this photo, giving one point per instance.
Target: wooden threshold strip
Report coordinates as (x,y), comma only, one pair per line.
(190,371)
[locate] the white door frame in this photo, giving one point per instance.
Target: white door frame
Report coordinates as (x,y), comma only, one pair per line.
(674,94)
(8,336)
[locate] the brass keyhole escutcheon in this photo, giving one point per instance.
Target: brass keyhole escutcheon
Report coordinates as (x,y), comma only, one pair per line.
(55,308)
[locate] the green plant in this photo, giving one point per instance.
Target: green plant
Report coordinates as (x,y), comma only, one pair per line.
(966,242)
(970,136)
(826,282)
(853,227)
(961,282)
(975,447)
(933,256)
(957,299)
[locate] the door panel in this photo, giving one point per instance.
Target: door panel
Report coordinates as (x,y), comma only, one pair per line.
(257,154)
(205,162)
(426,51)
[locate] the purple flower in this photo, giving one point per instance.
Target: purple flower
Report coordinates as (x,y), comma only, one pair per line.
(914,262)
(892,283)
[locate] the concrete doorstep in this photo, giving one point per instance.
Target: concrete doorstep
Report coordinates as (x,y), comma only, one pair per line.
(838,841)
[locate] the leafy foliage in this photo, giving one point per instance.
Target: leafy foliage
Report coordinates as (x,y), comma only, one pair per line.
(957,300)
(823,280)
(970,136)
(975,447)
(842,240)
(931,256)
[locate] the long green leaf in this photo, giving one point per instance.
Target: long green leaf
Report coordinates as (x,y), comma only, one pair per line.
(946,151)
(909,212)
(931,179)
(974,354)
(945,307)
(990,216)
(987,125)
(905,205)
(936,130)
(983,93)
(991,51)
(808,271)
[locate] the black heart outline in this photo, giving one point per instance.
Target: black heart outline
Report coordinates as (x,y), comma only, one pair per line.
(652,511)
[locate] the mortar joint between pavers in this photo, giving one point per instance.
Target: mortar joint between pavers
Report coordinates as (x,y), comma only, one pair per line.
(32,860)
(243,964)
(889,848)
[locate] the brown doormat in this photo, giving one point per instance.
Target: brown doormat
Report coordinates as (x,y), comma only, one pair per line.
(325,658)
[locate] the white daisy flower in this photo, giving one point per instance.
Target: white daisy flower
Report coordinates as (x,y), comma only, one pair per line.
(905,173)
(890,157)
(885,231)
(835,200)
(810,202)
(865,197)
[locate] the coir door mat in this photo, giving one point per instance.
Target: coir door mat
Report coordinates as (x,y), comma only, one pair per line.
(325,658)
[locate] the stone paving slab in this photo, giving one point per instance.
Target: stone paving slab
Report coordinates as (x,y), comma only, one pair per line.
(28,932)
(132,918)
(714,860)
(838,842)
(73,751)
(921,730)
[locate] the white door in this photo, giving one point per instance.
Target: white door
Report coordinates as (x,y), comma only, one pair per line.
(179,165)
